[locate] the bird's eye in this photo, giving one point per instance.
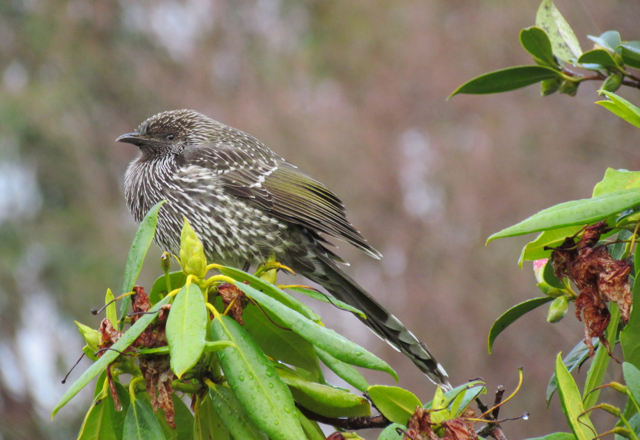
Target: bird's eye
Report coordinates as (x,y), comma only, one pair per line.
(170,137)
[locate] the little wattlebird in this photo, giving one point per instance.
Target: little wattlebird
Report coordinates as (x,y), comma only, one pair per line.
(245,202)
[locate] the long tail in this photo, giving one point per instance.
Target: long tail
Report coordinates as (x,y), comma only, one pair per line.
(331,277)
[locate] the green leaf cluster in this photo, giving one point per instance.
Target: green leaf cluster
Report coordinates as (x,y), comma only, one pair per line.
(246,381)
(554,48)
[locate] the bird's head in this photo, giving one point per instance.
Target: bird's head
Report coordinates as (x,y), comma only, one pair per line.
(171,132)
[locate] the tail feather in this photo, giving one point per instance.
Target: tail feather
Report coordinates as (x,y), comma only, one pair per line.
(383,323)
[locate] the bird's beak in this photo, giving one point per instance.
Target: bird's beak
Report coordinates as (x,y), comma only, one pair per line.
(131,138)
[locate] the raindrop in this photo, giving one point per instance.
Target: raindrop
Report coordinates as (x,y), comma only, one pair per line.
(241,377)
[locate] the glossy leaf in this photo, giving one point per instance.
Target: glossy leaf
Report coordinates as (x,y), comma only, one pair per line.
(537,43)
(600,361)
(277,342)
(111,312)
(630,52)
(563,41)
(556,436)
(391,432)
(322,337)
(512,315)
(310,427)
(325,394)
(601,57)
(308,402)
(102,421)
(506,80)
(575,212)
(110,355)
(140,423)
(186,329)
(328,299)
(571,403)
(616,180)
(632,379)
(183,419)
(609,39)
(630,339)
(344,371)
(396,404)
(534,250)
(209,426)
(137,253)
(160,289)
(232,414)
(440,405)
(270,290)
(622,108)
(463,398)
(255,382)
(576,357)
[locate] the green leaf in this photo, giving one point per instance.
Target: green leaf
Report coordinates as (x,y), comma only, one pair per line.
(601,57)
(321,337)
(209,426)
(232,414)
(270,290)
(556,436)
(344,371)
(440,407)
(137,253)
(630,339)
(534,250)
(103,422)
(183,420)
(610,40)
(537,43)
(563,41)
(630,52)
(391,433)
(310,427)
(632,379)
(463,398)
(279,342)
(600,362)
(506,80)
(396,404)
(186,329)
(111,312)
(110,355)
(575,212)
(324,394)
(328,299)
(308,402)
(576,357)
(255,382)
(140,423)
(159,289)
(512,315)
(621,107)
(572,403)
(616,180)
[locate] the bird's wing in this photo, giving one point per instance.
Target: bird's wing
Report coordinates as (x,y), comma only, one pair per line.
(272,184)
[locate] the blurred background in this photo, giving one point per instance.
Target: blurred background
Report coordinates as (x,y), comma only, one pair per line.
(352,92)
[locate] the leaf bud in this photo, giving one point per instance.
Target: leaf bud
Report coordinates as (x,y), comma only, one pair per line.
(550,86)
(619,430)
(569,87)
(611,409)
(619,387)
(91,336)
(165,261)
(558,309)
(192,256)
(613,82)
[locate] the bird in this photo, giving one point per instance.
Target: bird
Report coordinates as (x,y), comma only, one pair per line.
(245,202)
